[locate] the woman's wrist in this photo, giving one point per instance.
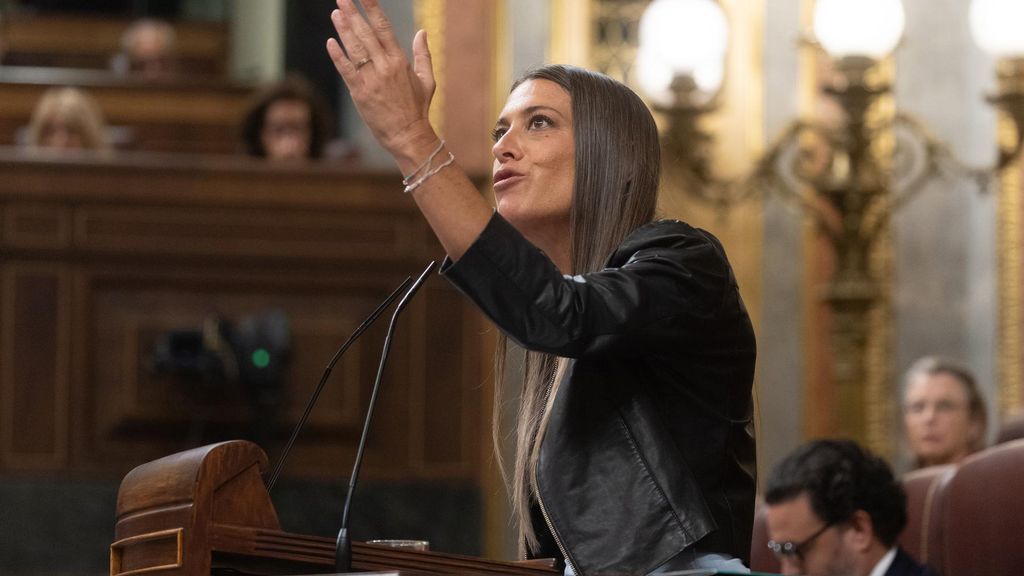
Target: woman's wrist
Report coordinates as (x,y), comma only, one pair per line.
(415,147)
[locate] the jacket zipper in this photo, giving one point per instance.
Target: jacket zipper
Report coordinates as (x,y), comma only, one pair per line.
(540,501)
(558,541)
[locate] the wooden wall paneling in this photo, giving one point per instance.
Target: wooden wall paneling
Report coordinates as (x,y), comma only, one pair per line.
(131,310)
(90,41)
(241,232)
(34,366)
(450,385)
(417,379)
(183,115)
(139,180)
(151,244)
(37,225)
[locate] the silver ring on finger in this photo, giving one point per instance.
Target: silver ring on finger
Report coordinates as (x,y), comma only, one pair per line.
(363,62)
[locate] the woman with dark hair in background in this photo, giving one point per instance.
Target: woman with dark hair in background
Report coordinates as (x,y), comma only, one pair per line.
(633,425)
(288,120)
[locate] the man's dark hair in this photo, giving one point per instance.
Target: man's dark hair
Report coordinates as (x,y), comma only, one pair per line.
(839,477)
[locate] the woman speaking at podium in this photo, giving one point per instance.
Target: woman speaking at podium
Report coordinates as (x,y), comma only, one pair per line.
(633,448)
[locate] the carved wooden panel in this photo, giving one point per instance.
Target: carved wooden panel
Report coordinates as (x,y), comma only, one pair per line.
(254,233)
(101,261)
(33,366)
(134,399)
(37,226)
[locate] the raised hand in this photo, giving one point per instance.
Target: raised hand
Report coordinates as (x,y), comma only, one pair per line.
(392,96)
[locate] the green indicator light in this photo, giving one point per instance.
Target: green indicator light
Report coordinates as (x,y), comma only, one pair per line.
(261,358)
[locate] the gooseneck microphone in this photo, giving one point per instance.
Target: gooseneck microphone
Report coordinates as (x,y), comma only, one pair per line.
(343,550)
(327,372)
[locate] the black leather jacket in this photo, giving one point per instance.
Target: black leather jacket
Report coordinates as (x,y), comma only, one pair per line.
(647,451)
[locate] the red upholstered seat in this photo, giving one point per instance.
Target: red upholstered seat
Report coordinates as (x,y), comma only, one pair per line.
(981,515)
(921,487)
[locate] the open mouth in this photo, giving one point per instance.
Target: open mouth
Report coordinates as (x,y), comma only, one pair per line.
(505,178)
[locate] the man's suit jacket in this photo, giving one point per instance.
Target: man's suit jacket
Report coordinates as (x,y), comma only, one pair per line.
(904,565)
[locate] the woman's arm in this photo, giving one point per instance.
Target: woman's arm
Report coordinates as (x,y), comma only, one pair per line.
(668,287)
(393,98)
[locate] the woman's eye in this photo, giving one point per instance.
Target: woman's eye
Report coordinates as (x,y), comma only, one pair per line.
(497,133)
(540,122)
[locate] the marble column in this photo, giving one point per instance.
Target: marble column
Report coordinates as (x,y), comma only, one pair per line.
(944,240)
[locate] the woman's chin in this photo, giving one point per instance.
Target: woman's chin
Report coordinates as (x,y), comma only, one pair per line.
(507,210)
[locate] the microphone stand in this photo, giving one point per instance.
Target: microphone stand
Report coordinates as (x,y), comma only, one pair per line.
(343,549)
(327,372)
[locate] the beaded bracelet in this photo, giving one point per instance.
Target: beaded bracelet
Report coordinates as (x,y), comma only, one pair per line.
(426,164)
(416,184)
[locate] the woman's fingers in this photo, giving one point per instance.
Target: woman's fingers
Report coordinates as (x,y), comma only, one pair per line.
(342,64)
(423,63)
(391,95)
(352,48)
(381,25)
(363,44)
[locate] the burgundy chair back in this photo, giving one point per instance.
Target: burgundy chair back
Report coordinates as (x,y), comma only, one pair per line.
(981,509)
(921,487)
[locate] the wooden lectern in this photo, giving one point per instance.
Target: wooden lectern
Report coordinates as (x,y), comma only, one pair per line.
(206,511)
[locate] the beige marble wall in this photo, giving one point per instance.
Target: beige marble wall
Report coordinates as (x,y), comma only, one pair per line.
(781,346)
(945,239)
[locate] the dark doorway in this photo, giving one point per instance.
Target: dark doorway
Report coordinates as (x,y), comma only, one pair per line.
(307,28)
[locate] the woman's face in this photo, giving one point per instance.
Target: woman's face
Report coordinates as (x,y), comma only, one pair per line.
(535,159)
(60,133)
(937,419)
(287,130)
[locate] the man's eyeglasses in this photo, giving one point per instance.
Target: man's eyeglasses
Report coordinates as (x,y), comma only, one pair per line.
(790,549)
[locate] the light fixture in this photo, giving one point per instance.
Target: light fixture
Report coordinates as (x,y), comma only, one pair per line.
(682,50)
(865,28)
(849,189)
(996,27)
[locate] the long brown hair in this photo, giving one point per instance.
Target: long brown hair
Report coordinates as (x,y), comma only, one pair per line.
(618,165)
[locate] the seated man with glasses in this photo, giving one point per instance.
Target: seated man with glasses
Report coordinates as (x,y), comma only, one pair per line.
(834,509)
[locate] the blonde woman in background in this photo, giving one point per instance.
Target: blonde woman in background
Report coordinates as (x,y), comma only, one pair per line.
(67,118)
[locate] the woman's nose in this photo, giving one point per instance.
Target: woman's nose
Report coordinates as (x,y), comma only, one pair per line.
(507,147)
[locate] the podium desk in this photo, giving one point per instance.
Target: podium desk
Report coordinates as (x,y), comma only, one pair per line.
(206,511)
(101,258)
